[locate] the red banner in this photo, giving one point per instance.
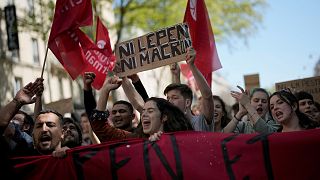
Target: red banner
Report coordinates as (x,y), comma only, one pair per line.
(187,155)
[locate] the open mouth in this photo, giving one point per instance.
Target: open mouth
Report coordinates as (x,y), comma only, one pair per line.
(215,114)
(279,114)
(259,110)
(45,139)
(145,123)
(308,112)
(117,121)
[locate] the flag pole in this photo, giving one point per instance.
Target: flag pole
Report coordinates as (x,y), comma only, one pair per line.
(44,62)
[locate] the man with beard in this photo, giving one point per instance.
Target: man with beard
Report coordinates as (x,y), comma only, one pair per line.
(47,134)
(72,135)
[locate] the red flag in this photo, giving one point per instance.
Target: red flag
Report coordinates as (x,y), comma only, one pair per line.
(196,16)
(69,15)
(102,37)
(99,56)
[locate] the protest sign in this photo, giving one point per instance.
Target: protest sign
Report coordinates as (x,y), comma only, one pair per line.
(152,50)
(310,85)
(62,106)
(251,81)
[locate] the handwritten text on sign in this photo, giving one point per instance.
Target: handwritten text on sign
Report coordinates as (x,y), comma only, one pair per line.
(310,85)
(153,50)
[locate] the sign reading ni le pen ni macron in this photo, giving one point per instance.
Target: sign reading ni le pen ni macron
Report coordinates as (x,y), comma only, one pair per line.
(155,49)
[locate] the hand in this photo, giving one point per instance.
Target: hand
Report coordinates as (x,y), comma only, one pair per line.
(242,112)
(60,153)
(156,136)
(242,97)
(41,87)
(134,78)
(25,95)
(88,79)
(111,83)
(190,56)
(175,69)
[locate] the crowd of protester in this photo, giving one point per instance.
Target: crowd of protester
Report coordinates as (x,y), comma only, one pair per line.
(48,132)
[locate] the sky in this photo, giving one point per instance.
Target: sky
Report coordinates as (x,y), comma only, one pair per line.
(286,46)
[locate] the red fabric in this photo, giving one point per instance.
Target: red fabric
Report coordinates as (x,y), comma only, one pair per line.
(67,50)
(103,35)
(185,70)
(196,16)
(99,56)
(69,15)
(186,155)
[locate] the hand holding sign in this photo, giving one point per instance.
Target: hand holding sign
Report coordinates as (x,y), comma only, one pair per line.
(111,83)
(190,56)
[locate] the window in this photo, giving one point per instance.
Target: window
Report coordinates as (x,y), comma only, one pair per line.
(35,51)
(31,7)
(15,55)
(17,85)
(61,88)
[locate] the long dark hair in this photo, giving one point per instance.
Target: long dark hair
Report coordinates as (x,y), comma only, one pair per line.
(225,119)
(290,99)
(176,120)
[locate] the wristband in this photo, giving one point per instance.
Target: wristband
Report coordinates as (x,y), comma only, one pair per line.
(17,102)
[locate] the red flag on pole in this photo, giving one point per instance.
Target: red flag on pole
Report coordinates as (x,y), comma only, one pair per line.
(102,37)
(196,16)
(99,56)
(63,42)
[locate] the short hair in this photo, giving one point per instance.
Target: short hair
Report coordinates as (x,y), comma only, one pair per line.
(54,112)
(129,105)
(303,95)
(259,90)
(71,121)
(27,118)
(84,114)
(184,89)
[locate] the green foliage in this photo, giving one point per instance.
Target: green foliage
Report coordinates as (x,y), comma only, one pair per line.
(229,18)
(39,20)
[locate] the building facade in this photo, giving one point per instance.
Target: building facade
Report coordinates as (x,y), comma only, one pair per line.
(20,66)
